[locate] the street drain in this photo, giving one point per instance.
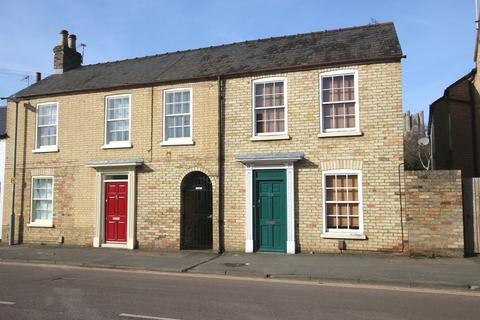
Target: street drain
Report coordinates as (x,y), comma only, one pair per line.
(235,264)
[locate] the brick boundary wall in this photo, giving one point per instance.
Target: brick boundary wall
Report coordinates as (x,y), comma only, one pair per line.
(434,213)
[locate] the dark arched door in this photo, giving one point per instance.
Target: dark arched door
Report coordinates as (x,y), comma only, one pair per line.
(197,213)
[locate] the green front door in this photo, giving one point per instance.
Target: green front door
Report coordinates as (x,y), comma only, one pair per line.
(270,209)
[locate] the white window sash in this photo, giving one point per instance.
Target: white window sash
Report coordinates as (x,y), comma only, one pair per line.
(356,100)
(358,202)
(38,126)
(107,141)
(173,115)
(255,133)
(48,199)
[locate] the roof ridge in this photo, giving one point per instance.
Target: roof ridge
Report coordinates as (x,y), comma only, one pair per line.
(238,42)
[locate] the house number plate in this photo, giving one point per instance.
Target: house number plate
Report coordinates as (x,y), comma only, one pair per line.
(270,222)
(116,218)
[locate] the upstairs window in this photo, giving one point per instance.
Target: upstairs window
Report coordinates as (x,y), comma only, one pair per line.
(343,201)
(117,121)
(339,101)
(46,131)
(42,201)
(270,106)
(178,116)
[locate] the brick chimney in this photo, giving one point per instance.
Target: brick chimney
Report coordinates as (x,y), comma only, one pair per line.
(66,56)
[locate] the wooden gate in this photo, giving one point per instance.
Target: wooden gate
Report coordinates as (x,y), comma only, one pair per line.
(471,212)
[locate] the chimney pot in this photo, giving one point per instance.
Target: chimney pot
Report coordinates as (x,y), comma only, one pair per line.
(63,37)
(38,76)
(72,42)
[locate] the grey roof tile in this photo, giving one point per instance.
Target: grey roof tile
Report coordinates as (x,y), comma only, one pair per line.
(365,43)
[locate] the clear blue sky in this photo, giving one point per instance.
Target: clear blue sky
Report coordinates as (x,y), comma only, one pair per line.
(438,37)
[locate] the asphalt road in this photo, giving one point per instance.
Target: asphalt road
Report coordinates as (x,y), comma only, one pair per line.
(38,292)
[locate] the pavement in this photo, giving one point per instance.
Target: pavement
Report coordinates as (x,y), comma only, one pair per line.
(377,269)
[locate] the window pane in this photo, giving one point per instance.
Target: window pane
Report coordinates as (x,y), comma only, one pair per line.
(327,95)
(350,108)
(327,82)
(354,223)
(338,82)
(331,195)
(279,87)
(178,132)
(269,88)
(330,181)
(331,222)
(328,122)
(348,81)
(337,95)
(168,97)
(339,122)
(259,101)
(268,100)
(349,94)
(260,127)
(270,126)
(341,181)
(259,89)
(260,114)
(280,126)
(170,132)
(350,122)
(331,209)
(270,114)
(352,181)
(177,97)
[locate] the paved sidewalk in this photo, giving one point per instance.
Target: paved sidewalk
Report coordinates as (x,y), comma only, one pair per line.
(380,269)
(105,258)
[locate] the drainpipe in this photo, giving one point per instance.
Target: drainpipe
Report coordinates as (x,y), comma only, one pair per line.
(11,231)
(474,129)
(220,164)
(405,196)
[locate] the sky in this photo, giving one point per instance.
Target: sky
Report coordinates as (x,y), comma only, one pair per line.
(438,36)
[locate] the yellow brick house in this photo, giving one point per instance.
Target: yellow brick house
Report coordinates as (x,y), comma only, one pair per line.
(285,144)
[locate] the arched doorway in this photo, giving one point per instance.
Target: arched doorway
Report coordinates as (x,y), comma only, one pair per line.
(197,211)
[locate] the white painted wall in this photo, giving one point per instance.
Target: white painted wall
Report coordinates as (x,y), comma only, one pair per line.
(2,180)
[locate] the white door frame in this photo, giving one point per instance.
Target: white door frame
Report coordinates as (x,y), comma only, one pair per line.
(99,235)
(250,168)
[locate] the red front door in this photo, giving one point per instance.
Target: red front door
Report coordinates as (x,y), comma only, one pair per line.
(116,204)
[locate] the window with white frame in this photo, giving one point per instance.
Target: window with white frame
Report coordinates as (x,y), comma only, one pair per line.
(46,131)
(339,101)
(117,120)
(177,115)
(342,201)
(42,200)
(269,106)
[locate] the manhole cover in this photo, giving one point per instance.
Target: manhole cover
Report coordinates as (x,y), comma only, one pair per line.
(235,264)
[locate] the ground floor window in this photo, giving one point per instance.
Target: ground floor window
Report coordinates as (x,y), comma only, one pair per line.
(342,202)
(42,200)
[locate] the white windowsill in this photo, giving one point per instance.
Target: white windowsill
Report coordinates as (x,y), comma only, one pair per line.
(40,225)
(117,145)
(270,137)
(346,235)
(179,142)
(340,134)
(47,149)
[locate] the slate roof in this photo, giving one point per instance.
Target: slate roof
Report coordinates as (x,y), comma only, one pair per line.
(370,43)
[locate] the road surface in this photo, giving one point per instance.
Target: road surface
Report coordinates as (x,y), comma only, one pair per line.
(41,292)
